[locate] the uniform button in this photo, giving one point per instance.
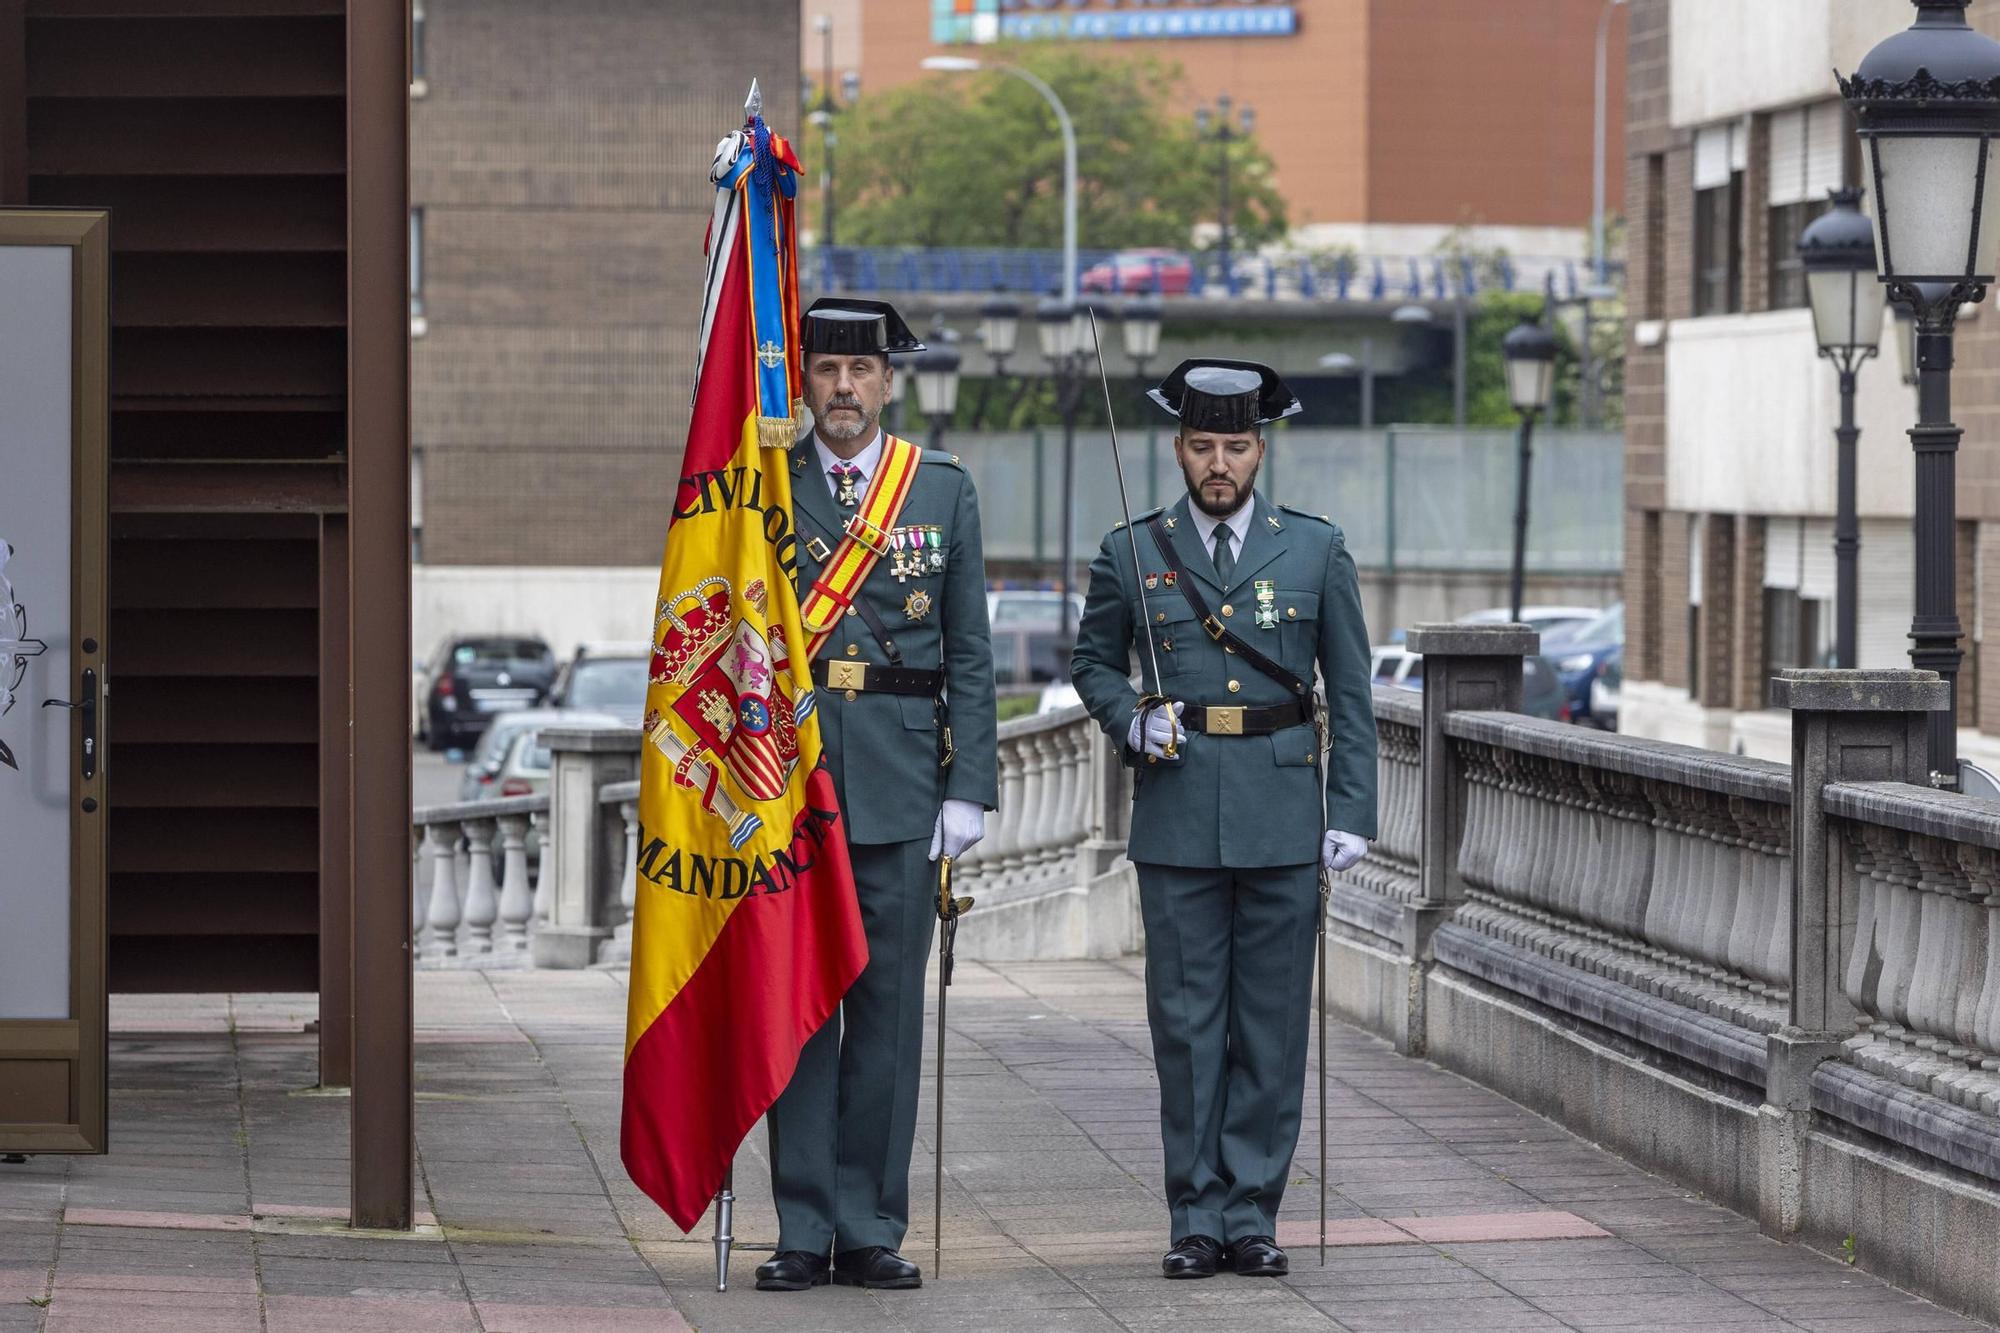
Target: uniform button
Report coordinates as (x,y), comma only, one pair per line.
(1161,616)
(854,650)
(850,696)
(1234,686)
(1228,610)
(850,610)
(1292,612)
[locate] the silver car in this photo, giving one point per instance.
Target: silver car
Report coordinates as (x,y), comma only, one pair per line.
(481,778)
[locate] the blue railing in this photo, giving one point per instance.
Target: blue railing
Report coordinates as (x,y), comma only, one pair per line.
(1275,277)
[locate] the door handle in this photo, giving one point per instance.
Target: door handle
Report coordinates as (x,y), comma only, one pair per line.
(87,708)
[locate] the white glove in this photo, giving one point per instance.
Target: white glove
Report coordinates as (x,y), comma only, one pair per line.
(1341,850)
(959,825)
(1158,727)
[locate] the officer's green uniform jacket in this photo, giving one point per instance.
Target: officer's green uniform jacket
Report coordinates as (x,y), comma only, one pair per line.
(1238,801)
(889,743)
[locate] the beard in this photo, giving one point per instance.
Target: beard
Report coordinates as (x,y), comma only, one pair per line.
(846,427)
(1222,507)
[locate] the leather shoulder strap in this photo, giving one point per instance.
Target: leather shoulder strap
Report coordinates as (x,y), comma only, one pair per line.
(865,542)
(1214,627)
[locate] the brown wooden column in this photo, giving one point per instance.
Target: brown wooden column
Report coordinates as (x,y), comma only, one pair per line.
(336,779)
(378,439)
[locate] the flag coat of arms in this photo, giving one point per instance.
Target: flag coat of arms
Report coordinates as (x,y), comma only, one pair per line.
(746,930)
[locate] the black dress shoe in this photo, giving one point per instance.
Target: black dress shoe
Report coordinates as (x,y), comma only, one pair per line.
(877,1266)
(791,1270)
(1258,1256)
(1196,1256)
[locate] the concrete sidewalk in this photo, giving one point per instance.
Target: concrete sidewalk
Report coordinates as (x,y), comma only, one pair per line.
(218,1208)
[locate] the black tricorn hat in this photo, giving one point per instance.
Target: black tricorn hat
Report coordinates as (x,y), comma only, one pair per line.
(1226,397)
(848,326)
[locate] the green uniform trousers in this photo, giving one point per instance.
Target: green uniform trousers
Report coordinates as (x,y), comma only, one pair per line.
(842,1129)
(1229,968)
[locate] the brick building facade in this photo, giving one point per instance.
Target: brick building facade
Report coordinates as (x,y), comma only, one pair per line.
(559,159)
(1729,457)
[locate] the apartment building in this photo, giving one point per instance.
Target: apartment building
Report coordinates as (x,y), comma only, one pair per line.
(1735,132)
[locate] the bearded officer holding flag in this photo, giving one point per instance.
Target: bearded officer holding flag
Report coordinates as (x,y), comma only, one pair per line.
(893,588)
(1237,805)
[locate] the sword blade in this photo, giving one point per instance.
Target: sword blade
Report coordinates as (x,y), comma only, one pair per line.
(1124,504)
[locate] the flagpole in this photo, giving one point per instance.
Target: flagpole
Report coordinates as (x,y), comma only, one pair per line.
(725,1210)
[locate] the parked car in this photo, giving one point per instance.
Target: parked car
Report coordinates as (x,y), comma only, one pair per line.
(481,776)
(524,768)
(1029,656)
(1541,687)
(1554,622)
(1605,687)
(606,678)
(1582,651)
(473,677)
(1041,608)
(1161,272)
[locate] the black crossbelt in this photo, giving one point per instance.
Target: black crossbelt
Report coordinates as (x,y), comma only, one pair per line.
(1215,629)
(868,677)
(1231,720)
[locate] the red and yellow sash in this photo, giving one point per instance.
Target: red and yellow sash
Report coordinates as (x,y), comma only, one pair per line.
(866,541)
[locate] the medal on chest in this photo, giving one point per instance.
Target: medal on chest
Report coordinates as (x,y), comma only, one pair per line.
(1267,604)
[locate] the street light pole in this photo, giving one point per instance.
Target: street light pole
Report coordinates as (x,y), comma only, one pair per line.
(1927,107)
(824,26)
(1597,146)
(965,64)
(1529,351)
(1224,133)
(1837,252)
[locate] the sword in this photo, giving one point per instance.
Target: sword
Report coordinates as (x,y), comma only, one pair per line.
(949,910)
(1147,702)
(1323,730)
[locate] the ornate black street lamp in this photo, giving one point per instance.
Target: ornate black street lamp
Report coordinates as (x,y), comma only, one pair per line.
(1530,353)
(937,384)
(1838,253)
(1927,102)
(1056,325)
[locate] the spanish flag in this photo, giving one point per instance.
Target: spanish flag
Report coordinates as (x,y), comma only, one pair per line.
(746,931)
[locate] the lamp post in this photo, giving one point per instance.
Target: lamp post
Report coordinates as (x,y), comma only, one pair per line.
(936,368)
(1420,314)
(1056,330)
(1216,127)
(964,65)
(1139,322)
(1530,353)
(1838,253)
(1340,363)
(823,117)
(1597,145)
(1927,104)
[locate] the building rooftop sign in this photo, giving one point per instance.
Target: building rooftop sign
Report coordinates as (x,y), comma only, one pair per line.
(955,22)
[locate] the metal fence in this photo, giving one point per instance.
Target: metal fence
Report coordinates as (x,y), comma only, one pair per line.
(1255,276)
(1408,497)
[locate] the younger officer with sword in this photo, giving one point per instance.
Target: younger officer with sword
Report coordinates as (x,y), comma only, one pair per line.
(1238,804)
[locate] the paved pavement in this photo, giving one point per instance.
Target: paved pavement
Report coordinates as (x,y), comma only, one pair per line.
(218,1208)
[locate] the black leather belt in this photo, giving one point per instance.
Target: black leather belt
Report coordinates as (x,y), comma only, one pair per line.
(867,677)
(1234,720)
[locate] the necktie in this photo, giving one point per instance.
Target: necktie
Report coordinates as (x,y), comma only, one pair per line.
(1225,562)
(845,476)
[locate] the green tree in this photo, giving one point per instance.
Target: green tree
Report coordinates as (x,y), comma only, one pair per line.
(976,159)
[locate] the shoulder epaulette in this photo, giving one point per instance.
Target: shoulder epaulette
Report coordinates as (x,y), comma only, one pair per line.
(1307,513)
(940,456)
(1140,518)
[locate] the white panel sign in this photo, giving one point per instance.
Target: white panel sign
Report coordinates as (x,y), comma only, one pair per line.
(35,763)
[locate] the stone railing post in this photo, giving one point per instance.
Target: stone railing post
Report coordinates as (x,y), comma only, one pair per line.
(1847,726)
(1465,667)
(584,761)
(516,900)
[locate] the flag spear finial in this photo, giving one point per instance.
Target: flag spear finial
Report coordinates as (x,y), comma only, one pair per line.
(753,105)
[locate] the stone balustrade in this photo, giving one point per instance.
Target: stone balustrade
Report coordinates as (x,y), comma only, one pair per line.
(475,898)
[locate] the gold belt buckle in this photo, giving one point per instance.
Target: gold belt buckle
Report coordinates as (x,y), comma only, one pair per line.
(1225,721)
(847,675)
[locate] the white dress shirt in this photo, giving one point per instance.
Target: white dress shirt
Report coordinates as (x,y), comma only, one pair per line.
(1238,524)
(865,462)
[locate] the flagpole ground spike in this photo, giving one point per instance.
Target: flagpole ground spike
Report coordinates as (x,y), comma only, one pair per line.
(725,1210)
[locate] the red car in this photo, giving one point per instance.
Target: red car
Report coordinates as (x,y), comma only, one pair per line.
(1162,272)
